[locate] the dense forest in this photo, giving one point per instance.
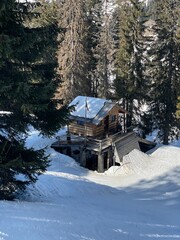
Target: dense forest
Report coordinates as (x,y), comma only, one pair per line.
(53,51)
(127,51)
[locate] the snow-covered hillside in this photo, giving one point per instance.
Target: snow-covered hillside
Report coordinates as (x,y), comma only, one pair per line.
(139,200)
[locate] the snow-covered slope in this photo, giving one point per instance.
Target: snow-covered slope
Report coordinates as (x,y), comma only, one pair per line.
(147,166)
(140,200)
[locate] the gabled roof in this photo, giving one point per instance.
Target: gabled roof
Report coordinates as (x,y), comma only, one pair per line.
(103,112)
(88,106)
(91,109)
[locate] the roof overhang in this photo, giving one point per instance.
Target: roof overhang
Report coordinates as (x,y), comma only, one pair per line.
(99,117)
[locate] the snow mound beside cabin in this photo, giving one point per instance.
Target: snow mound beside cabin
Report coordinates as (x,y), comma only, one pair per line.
(133,163)
(168,153)
(144,165)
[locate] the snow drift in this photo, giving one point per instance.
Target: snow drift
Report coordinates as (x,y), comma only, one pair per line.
(141,164)
(139,200)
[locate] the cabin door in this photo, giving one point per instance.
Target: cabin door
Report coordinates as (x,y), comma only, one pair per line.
(106,124)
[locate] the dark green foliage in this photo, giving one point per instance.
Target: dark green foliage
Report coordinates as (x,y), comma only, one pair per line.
(74,49)
(164,70)
(18,167)
(93,16)
(103,50)
(28,63)
(28,82)
(131,84)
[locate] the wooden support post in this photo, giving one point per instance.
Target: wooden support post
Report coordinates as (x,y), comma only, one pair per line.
(68,137)
(100,162)
(110,158)
(83,157)
(100,159)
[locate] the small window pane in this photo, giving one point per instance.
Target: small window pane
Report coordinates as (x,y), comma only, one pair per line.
(80,123)
(113,118)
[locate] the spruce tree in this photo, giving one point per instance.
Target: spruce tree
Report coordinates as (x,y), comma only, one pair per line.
(28,82)
(165,66)
(73,49)
(104,50)
(130,83)
(93,18)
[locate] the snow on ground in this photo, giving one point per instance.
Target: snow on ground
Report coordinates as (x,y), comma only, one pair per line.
(138,200)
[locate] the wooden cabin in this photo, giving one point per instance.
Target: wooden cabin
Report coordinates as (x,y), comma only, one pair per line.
(95,117)
(101,139)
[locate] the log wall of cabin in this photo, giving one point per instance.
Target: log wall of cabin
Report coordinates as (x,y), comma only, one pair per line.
(112,125)
(114,112)
(93,130)
(80,129)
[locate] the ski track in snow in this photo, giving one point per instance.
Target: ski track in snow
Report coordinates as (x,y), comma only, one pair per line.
(139,200)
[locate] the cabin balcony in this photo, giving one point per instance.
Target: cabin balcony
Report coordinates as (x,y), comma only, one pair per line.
(99,153)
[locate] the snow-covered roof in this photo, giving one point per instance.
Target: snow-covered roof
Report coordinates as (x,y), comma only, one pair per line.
(103,112)
(87,107)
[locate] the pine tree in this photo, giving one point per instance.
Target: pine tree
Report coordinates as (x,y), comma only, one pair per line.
(73,49)
(130,84)
(165,66)
(19,167)
(93,16)
(45,13)
(27,86)
(104,50)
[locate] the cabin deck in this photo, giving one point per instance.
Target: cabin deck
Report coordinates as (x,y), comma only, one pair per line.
(95,145)
(100,150)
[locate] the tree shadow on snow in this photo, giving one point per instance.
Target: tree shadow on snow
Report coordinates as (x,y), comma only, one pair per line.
(148,209)
(165,188)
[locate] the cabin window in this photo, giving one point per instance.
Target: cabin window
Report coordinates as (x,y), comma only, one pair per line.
(112,118)
(80,123)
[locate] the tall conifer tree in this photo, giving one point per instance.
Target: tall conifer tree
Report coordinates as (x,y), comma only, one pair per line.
(165,75)
(130,60)
(93,16)
(28,83)
(73,49)
(104,50)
